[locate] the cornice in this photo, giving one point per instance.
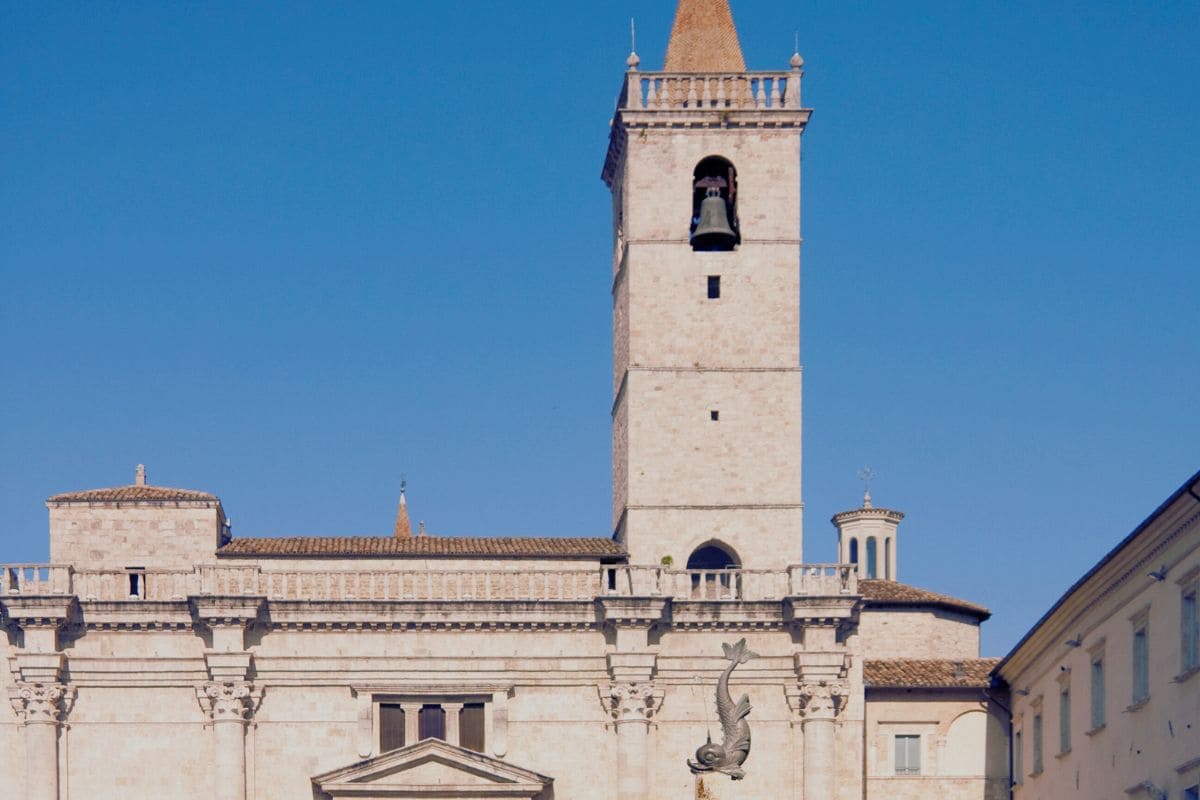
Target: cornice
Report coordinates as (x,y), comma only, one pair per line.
(1130,560)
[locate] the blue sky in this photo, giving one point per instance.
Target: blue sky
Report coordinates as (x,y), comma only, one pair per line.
(287,252)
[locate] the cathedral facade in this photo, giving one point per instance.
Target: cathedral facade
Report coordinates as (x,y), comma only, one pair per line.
(693,653)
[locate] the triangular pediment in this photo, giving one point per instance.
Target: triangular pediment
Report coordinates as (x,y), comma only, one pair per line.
(432,768)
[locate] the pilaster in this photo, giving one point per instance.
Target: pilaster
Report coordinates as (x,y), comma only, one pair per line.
(39,697)
(632,700)
(819,697)
(230,698)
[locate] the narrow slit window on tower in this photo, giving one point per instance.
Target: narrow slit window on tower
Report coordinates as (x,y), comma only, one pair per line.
(714,415)
(714,287)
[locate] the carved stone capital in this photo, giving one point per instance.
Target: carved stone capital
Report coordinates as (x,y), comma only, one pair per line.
(819,699)
(41,702)
(228,701)
(631,701)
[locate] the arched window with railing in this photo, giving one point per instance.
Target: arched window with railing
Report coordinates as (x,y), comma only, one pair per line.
(712,567)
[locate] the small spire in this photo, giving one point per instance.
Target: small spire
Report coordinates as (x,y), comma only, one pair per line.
(704,39)
(403,529)
(139,475)
(633,60)
(866,475)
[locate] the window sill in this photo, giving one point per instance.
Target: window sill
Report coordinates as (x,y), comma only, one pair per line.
(1187,673)
(1062,755)
(1138,705)
(1035,773)
(1096,729)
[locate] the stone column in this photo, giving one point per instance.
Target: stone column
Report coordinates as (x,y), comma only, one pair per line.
(632,706)
(412,723)
(453,734)
(820,700)
(229,705)
(39,705)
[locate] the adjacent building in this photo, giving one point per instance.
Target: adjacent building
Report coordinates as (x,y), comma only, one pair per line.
(1106,686)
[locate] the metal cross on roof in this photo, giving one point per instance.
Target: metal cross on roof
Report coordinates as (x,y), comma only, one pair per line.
(866,475)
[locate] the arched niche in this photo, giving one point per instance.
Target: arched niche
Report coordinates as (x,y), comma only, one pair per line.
(715,177)
(713,555)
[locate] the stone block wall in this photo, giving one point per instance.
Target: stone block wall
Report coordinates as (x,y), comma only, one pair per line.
(118,536)
(919,633)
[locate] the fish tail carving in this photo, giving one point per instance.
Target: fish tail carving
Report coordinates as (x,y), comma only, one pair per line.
(738,653)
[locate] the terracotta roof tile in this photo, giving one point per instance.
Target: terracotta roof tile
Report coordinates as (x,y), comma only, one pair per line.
(132,494)
(881,592)
(704,39)
(931,673)
(431,546)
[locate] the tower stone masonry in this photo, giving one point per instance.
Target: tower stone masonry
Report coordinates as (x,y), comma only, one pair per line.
(706,344)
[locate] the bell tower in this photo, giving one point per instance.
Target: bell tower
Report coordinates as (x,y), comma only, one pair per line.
(704,167)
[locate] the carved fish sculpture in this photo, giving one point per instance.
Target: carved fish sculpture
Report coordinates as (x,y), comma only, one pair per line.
(728,756)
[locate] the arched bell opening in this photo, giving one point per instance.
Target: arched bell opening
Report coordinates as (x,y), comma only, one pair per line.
(872,556)
(854,550)
(714,206)
(713,568)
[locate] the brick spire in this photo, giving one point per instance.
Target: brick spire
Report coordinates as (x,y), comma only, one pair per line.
(403,529)
(704,39)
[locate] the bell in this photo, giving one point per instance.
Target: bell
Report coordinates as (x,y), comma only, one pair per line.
(713,231)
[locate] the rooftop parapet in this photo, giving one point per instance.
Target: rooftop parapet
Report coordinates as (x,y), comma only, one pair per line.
(390,583)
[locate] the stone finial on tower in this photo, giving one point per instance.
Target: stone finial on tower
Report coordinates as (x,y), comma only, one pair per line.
(139,475)
(403,529)
(704,39)
(867,536)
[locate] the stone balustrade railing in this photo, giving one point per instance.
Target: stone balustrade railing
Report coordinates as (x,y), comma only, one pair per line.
(732,584)
(433,585)
(742,91)
(392,584)
(35,579)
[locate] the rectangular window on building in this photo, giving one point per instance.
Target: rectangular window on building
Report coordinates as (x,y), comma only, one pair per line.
(1141,662)
(1191,793)
(908,755)
(471,727)
(1097,692)
(714,287)
(1190,632)
(1037,744)
(1018,758)
(391,727)
(432,722)
(1064,720)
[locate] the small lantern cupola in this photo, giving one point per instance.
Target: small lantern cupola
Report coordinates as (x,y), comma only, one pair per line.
(867,538)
